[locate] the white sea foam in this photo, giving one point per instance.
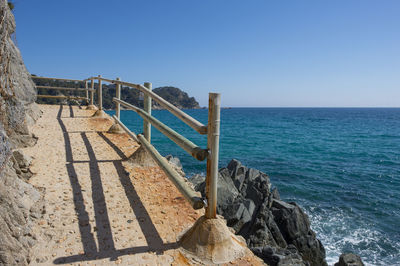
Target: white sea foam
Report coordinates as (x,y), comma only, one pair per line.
(340,231)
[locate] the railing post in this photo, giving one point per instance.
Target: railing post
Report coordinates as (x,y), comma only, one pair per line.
(147,109)
(100,95)
(118,96)
(87,92)
(214,106)
(92,92)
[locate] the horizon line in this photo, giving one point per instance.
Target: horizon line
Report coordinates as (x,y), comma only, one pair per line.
(332,107)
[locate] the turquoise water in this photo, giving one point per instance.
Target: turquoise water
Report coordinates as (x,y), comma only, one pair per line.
(342,165)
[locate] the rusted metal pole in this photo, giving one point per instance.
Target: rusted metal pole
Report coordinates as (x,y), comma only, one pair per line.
(100,94)
(147,109)
(118,96)
(214,110)
(92,92)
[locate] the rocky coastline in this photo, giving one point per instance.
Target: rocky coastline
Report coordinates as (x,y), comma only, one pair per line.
(278,232)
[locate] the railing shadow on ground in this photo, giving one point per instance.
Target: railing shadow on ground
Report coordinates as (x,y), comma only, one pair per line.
(147,227)
(106,248)
(77,116)
(72,113)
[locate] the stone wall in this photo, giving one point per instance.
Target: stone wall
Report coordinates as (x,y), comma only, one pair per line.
(20,203)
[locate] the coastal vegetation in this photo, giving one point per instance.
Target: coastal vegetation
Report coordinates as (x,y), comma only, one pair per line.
(11,5)
(173,95)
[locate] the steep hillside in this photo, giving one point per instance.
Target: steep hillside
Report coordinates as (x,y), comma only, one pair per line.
(19,201)
(174,95)
(177,97)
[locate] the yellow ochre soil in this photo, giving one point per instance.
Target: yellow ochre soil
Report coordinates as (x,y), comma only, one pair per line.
(101,209)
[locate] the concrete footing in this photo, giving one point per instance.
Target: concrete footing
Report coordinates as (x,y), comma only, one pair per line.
(210,240)
(116,129)
(91,107)
(141,158)
(99,113)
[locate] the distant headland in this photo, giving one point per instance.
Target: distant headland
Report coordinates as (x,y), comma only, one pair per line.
(172,94)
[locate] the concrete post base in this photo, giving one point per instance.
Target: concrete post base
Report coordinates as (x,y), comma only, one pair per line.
(99,113)
(91,107)
(142,158)
(211,240)
(116,129)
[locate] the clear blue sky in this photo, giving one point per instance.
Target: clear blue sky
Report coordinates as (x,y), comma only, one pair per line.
(256,53)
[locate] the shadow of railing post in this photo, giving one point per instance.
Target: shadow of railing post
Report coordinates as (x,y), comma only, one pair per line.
(104,234)
(88,242)
(106,247)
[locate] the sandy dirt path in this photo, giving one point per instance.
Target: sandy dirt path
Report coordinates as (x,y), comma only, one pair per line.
(100,209)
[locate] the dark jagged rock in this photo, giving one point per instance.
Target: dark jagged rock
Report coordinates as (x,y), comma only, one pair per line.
(349,259)
(20,202)
(198,182)
(277,231)
(278,256)
(294,225)
(264,231)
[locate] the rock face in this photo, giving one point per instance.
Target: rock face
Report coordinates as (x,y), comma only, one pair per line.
(20,203)
(277,231)
(349,259)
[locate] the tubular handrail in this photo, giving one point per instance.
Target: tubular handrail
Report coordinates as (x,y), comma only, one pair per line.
(130,133)
(74,80)
(179,182)
(211,129)
(190,121)
(180,140)
(190,195)
(86,89)
(62,97)
(64,88)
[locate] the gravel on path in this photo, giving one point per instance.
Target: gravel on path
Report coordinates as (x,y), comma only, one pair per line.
(100,208)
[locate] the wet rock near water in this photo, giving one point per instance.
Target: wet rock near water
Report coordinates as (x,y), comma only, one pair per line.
(274,256)
(279,232)
(176,164)
(349,259)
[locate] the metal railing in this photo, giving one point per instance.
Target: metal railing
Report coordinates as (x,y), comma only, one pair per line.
(68,97)
(211,152)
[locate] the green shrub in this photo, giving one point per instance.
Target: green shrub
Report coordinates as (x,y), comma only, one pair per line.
(11,5)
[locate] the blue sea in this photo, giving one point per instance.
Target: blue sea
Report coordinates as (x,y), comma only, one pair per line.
(342,165)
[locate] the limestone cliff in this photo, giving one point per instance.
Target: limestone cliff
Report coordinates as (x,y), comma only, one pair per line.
(19,201)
